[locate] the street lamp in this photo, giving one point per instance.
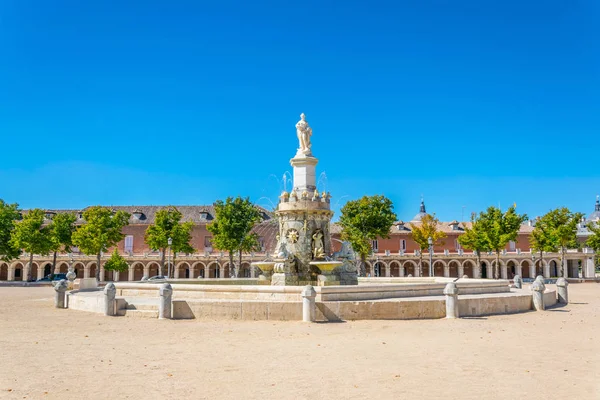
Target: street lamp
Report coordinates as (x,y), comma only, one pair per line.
(430,241)
(169,242)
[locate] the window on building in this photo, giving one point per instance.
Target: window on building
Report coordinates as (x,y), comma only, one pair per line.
(512,246)
(261,243)
(403,244)
(457,245)
(207,242)
(128,244)
(375,245)
(18,273)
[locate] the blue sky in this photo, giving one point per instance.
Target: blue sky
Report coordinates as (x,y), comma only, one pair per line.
(467,103)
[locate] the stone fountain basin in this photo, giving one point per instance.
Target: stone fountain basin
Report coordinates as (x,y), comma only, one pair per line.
(265,266)
(326,266)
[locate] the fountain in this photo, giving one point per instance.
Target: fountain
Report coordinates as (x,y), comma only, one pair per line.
(303,257)
(304,241)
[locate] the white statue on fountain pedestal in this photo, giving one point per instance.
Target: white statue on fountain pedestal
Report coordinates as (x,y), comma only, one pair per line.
(304,132)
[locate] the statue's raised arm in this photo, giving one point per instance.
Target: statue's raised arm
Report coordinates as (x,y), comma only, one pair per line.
(304,132)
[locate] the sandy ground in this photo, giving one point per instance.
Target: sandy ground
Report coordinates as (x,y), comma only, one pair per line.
(48,353)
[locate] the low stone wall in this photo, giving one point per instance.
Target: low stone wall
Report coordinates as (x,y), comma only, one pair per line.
(431,307)
(24,284)
(370,289)
(390,288)
(218,281)
(214,292)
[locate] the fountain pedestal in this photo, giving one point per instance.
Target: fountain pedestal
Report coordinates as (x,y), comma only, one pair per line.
(283,276)
(304,215)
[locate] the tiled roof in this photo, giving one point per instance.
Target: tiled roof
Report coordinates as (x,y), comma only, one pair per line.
(190,213)
(442,226)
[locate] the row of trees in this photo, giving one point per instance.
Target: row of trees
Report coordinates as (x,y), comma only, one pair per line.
(103,229)
(371,217)
(362,221)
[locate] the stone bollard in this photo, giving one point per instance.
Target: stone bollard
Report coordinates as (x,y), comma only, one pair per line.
(465,277)
(538,288)
(518,282)
(409,276)
(541,279)
(309,306)
(563,292)
(451,292)
(59,297)
(109,299)
(164,306)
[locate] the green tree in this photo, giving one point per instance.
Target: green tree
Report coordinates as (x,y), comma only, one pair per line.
(116,263)
(102,230)
(560,230)
(542,239)
(232,227)
(499,228)
(31,235)
(9,214)
(474,238)
(421,232)
(365,220)
(249,243)
(167,224)
(61,234)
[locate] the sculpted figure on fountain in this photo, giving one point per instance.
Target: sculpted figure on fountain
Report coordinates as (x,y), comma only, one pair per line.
(304,132)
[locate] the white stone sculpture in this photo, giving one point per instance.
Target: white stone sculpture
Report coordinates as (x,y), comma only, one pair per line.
(304,133)
(451,292)
(318,251)
(165,303)
(538,289)
(60,289)
(562,288)
(518,282)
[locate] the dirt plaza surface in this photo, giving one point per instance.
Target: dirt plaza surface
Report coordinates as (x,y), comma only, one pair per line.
(48,353)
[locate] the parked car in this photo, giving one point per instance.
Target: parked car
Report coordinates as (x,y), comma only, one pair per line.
(53,277)
(157,278)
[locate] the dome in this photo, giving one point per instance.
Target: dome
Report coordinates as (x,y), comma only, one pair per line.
(595,216)
(421,214)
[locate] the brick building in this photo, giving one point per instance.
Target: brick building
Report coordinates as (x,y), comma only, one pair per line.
(394,256)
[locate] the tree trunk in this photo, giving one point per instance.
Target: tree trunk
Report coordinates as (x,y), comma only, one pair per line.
(563,268)
(231,265)
(53,263)
(420,263)
(542,262)
(497,267)
(98,262)
(173,264)
(478,257)
(30,266)
(162,262)
(240,263)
